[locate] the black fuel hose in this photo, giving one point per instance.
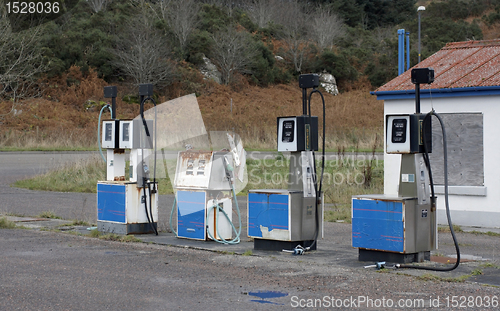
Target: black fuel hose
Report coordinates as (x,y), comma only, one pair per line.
(315,177)
(149,214)
(447,205)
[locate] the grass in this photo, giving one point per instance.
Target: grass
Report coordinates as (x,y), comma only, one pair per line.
(248,252)
(77,223)
(80,223)
(46,148)
(113,237)
(446,229)
(457,228)
(353,118)
(7,224)
(81,176)
(36,139)
(458,279)
(49,215)
(489,233)
(489,265)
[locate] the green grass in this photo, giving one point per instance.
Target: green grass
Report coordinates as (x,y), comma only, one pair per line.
(489,233)
(248,252)
(489,265)
(80,223)
(94,233)
(458,279)
(7,224)
(49,215)
(81,176)
(445,229)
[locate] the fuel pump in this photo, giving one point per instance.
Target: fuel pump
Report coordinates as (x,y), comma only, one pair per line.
(403,228)
(205,190)
(292,219)
(128,205)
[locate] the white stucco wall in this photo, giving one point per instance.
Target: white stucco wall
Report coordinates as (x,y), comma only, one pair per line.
(483,208)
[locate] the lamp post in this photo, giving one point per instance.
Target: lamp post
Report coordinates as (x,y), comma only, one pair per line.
(419,10)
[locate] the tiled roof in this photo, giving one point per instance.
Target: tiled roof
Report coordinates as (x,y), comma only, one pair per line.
(466,64)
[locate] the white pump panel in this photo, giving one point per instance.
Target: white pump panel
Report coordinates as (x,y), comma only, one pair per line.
(287,134)
(108,134)
(398,134)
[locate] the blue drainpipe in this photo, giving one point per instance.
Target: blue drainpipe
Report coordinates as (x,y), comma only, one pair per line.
(401,51)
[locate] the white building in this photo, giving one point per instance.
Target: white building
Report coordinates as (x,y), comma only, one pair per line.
(466,93)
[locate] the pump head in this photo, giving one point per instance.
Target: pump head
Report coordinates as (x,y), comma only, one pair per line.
(110,92)
(146,89)
(422,75)
(307,81)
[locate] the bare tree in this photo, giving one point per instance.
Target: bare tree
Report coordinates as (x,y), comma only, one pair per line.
(98,5)
(262,12)
(21,62)
(143,54)
(160,8)
(229,5)
(181,16)
(326,27)
(295,22)
(232,52)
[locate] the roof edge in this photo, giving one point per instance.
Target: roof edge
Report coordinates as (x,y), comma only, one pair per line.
(445,92)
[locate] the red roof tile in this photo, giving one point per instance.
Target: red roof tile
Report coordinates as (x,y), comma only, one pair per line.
(457,65)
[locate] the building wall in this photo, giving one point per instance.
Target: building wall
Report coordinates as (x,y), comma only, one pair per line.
(469,206)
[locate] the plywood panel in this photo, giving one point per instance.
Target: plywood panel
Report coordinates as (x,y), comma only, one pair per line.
(464,132)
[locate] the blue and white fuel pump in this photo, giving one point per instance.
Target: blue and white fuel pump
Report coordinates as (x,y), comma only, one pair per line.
(403,228)
(128,204)
(292,219)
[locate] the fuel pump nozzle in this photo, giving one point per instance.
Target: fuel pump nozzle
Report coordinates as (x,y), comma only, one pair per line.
(229,170)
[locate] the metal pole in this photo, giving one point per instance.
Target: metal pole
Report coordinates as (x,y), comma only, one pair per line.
(419,10)
(417,98)
(304,101)
(419,36)
(113,108)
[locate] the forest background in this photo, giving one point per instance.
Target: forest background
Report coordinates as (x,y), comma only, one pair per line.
(52,75)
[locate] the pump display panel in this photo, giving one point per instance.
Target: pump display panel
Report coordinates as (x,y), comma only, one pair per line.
(297,133)
(399,128)
(108,134)
(288,131)
(398,134)
(287,134)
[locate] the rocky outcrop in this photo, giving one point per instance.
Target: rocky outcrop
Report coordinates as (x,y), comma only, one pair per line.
(209,70)
(328,82)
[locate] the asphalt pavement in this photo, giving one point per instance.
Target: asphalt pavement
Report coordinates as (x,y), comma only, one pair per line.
(55,265)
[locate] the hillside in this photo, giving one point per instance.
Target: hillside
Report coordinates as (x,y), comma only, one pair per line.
(69,118)
(51,95)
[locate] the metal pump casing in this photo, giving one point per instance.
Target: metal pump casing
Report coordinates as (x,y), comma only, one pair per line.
(401,228)
(121,199)
(200,182)
(279,219)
